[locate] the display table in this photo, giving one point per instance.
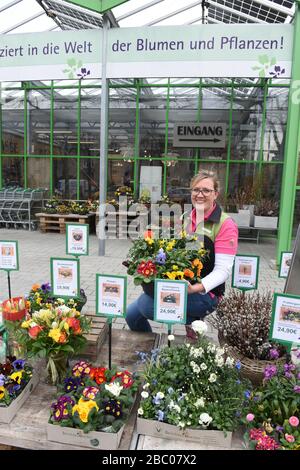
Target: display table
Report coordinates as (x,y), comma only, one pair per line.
(57,222)
(28,428)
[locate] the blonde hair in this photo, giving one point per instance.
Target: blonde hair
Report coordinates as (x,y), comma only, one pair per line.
(206,174)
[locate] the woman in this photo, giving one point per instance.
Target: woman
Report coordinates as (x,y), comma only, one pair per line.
(220,236)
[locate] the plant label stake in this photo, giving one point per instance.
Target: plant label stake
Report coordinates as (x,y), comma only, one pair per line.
(9,259)
(245,272)
(170,300)
(111,294)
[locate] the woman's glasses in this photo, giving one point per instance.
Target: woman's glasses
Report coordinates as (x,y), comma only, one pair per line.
(203,191)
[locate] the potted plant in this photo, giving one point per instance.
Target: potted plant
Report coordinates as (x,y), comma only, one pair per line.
(192,392)
(92,406)
(243,323)
(273,410)
(152,258)
(39,297)
(266,214)
(243,199)
(17,381)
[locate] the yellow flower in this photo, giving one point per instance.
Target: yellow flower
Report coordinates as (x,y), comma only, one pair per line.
(183,234)
(26,324)
(17,376)
(202,252)
(180,274)
(39,301)
(161,243)
(149,241)
(2,392)
(84,407)
(171,275)
(174,267)
(35,287)
(55,334)
(66,327)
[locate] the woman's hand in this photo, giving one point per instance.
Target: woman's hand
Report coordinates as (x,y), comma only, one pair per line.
(197,288)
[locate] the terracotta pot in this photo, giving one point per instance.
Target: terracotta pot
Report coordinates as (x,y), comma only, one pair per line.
(14,315)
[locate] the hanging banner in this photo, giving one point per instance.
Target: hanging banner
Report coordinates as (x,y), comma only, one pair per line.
(162,51)
(201,51)
(9,257)
(51,55)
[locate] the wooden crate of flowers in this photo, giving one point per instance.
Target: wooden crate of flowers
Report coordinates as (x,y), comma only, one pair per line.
(192,393)
(17,382)
(92,407)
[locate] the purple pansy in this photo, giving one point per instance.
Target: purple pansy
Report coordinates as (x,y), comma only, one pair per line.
(18,364)
(160,415)
(161,257)
(269,372)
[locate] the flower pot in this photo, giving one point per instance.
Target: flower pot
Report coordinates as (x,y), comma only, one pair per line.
(252,369)
(148,288)
(12,315)
(7,413)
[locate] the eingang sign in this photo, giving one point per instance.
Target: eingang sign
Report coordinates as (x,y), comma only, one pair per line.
(162,51)
(207,135)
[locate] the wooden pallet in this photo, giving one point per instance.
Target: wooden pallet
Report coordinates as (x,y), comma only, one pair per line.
(96,336)
(57,222)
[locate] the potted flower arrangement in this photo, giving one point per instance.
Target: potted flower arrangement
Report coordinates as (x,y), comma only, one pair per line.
(54,333)
(40,297)
(273,417)
(193,392)
(243,323)
(92,406)
(150,258)
(17,381)
(266,214)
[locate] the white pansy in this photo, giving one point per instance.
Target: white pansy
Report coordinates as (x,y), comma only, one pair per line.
(147,385)
(200,402)
(220,351)
(140,411)
(219,361)
(205,419)
(160,395)
(195,367)
(114,388)
(211,348)
(229,362)
(203,366)
(212,378)
(181,424)
(187,345)
(196,352)
(176,408)
(145,394)
(199,327)
(188,423)
(171,337)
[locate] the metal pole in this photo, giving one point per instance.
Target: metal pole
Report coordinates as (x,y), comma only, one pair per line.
(109,343)
(9,287)
(103,141)
(290,165)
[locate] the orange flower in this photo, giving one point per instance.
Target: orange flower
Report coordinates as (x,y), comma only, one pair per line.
(188,273)
(35,287)
(62,338)
(148,234)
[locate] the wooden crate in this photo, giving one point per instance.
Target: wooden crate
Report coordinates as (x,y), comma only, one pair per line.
(96,336)
(57,222)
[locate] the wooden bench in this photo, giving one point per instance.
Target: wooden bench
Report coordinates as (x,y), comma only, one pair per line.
(57,222)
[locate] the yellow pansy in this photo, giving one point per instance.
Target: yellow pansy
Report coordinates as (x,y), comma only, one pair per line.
(26,324)
(55,334)
(161,243)
(17,376)
(180,274)
(174,267)
(149,241)
(171,275)
(2,392)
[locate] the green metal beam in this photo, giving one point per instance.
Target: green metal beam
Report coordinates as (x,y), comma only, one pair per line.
(290,166)
(100,6)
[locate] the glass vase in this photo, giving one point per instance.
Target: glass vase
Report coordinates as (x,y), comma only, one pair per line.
(57,365)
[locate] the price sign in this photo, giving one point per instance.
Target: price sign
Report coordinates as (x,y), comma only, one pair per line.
(65,277)
(170,300)
(285,263)
(111,294)
(285,324)
(245,272)
(9,256)
(77,239)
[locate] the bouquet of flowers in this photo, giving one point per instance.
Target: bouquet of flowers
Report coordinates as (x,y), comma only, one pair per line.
(54,333)
(273,417)
(150,258)
(94,398)
(194,386)
(14,376)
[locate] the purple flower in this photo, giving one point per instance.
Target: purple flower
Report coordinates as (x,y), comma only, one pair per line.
(72,384)
(161,257)
(238,365)
(113,408)
(160,415)
(269,372)
(289,367)
(247,394)
(64,399)
(274,354)
(58,411)
(288,375)
(279,428)
(18,364)
(46,287)
(297,389)
(2,380)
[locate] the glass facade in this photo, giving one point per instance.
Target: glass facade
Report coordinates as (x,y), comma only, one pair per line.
(61,147)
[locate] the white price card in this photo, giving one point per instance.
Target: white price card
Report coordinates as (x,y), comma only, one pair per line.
(245,272)
(65,278)
(285,263)
(170,300)
(77,239)
(9,258)
(285,323)
(111,294)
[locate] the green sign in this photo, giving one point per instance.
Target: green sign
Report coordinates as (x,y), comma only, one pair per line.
(285,323)
(170,299)
(9,255)
(77,239)
(65,277)
(245,272)
(111,294)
